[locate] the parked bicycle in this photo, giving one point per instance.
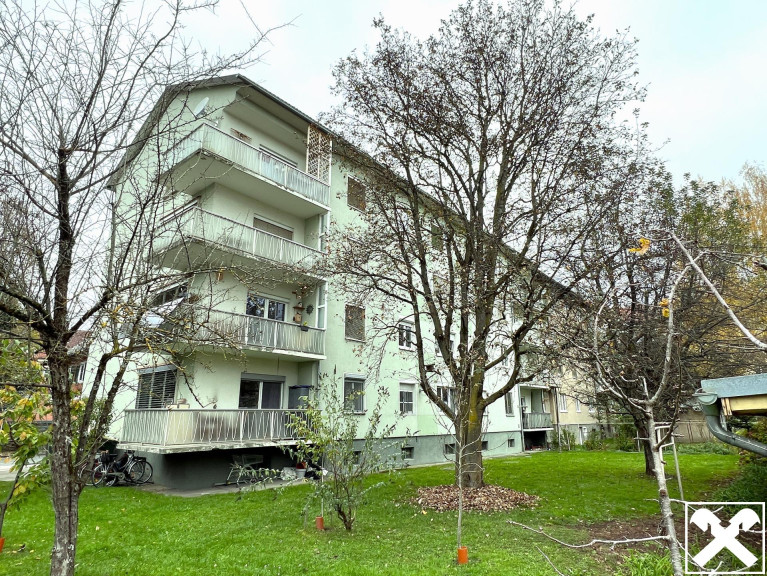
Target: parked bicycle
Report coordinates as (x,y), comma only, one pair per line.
(128,468)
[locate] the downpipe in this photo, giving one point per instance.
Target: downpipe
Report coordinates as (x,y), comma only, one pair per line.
(709,404)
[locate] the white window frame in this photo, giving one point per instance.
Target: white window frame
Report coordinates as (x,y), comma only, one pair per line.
(509,402)
(562,402)
(447,395)
(451,345)
(267,299)
(407,328)
(160,401)
(261,378)
(577,405)
(357,383)
(407,387)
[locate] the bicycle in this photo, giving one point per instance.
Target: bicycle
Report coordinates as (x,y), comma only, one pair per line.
(128,468)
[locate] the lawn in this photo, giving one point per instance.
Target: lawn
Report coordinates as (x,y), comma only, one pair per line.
(127,531)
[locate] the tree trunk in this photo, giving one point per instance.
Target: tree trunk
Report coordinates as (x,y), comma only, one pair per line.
(665,501)
(469,470)
(649,461)
(65,487)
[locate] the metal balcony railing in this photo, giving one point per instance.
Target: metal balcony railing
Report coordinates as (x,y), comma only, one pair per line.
(211,139)
(257,332)
(533,420)
(164,427)
(196,224)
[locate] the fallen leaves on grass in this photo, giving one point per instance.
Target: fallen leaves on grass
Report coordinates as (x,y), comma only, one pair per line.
(489,498)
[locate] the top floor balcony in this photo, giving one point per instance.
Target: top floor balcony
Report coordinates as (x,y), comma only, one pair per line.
(209,154)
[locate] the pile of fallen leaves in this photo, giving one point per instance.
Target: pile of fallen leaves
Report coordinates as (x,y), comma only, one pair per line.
(489,498)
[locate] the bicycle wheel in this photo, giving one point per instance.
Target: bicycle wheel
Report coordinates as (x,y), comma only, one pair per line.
(86,475)
(147,475)
(99,476)
(135,471)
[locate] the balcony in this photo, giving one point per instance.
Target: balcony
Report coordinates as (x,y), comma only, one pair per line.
(536,420)
(231,153)
(201,226)
(270,335)
(165,431)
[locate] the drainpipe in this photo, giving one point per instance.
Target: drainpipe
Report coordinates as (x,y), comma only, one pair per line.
(709,404)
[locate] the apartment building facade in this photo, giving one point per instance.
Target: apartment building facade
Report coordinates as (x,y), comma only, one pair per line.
(253,187)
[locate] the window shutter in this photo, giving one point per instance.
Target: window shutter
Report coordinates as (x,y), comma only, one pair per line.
(156,389)
(319,149)
(355,322)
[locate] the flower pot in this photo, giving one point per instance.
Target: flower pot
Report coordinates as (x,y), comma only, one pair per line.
(2,543)
(319,522)
(463,555)
(304,328)
(300,473)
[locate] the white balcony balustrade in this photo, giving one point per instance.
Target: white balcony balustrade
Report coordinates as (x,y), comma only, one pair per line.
(256,332)
(163,427)
(198,225)
(210,139)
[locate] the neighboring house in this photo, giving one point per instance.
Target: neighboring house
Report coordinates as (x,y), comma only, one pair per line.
(255,186)
(722,398)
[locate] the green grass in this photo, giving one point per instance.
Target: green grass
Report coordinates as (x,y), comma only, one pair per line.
(126,531)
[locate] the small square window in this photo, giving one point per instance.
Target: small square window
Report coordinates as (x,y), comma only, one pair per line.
(408,452)
(484,445)
(356,457)
(511,442)
(449,449)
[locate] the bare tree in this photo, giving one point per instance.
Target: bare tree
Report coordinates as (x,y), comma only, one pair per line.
(489,154)
(77,82)
(631,287)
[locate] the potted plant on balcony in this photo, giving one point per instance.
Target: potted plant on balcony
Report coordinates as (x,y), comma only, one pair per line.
(300,470)
(305,327)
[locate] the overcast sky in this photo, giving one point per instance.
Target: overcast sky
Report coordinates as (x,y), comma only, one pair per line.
(704,62)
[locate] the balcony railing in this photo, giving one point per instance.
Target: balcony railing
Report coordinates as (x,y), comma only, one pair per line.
(533,420)
(198,224)
(258,332)
(211,139)
(163,427)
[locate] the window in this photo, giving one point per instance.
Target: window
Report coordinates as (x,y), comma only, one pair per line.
(592,408)
(272,228)
(354,394)
(449,449)
(77,373)
(406,331)
(355,194)
(447,395)
(511,442)
(562,402)
(261,392)
(408,452)
(437,239)
(451,345)
(156,388)
(355,323)
(509,401)
(170,295)
(577,405)
(407,398)
(483,445)
(523,404)
(263,307)
(321,306)
(279,156)
(545,402)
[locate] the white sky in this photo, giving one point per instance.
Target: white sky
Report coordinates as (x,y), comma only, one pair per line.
(704,62)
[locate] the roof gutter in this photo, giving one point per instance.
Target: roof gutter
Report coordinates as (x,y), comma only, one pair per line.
(709,404)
